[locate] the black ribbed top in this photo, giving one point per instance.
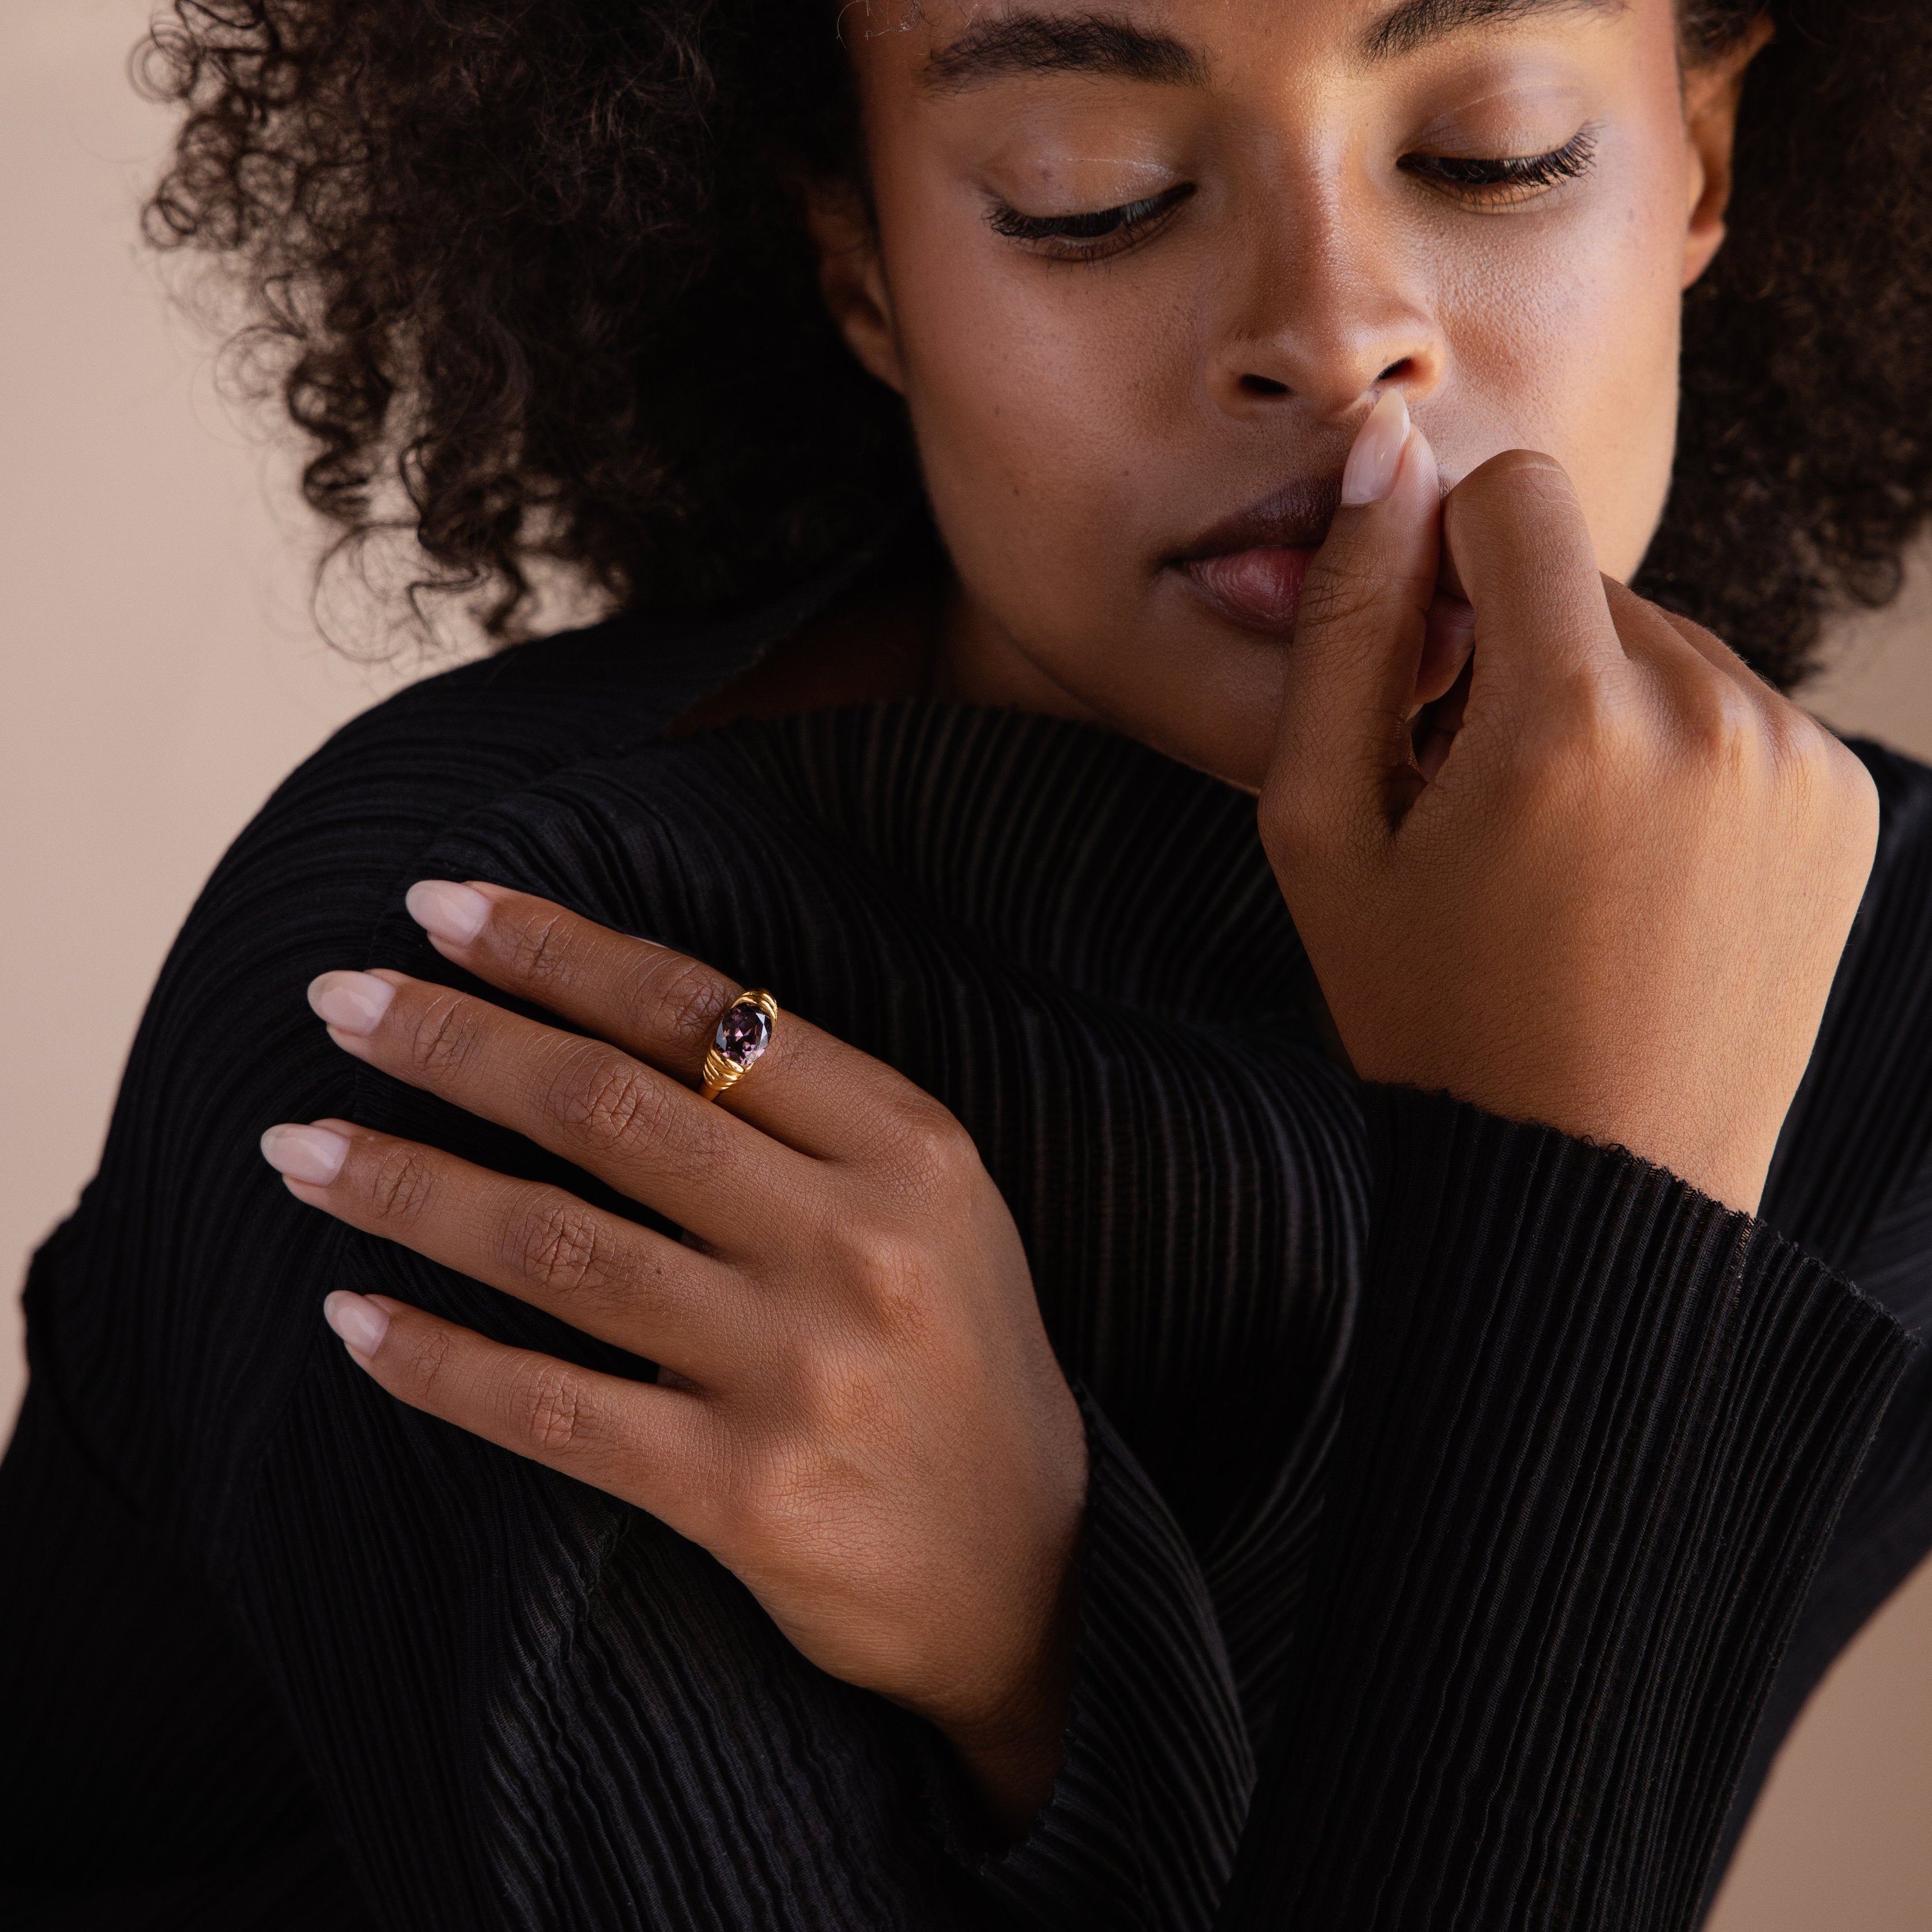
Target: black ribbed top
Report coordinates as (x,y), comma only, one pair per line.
(1499,1497)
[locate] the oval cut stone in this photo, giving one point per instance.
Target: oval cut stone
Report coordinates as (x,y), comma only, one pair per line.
(743,1034)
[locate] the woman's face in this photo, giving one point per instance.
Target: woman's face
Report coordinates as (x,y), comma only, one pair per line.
(1140,272)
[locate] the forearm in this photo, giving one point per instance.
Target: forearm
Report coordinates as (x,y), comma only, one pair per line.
(1598,1431)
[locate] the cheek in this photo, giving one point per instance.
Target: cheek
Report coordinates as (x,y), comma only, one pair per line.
(1050,406)
(1573,350)
(1062,416)
(1585,370)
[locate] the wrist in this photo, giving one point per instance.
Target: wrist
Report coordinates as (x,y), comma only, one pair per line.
(1010,1742)
(1011,1757)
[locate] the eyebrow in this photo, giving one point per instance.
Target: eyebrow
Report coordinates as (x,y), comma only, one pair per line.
(1416,23)
(1100,45)
(1106,47)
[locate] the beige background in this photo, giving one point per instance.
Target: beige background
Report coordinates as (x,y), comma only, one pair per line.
(162,670)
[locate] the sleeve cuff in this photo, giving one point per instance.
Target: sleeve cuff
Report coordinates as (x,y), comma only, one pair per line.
(1597,1431)
(1139,1831)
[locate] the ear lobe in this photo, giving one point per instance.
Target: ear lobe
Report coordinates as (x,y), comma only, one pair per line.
(851,277)
(1712,90)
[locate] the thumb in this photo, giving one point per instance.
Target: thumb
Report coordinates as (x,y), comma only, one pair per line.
(1343,753)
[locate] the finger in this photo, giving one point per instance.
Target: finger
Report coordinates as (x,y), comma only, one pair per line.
(1437,725)
(646,1134)
(1636,618)
(624,1284)
(1712,695)
(1449,635)
(650,1446)
(809,1089)
(1522,550)
(1353,664)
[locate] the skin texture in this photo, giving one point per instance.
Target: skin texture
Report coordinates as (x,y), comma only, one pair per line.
(861,1415)
(1616,900)
(1081,422)
(1550,849)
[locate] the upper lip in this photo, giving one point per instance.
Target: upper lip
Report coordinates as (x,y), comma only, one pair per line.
(1294,517)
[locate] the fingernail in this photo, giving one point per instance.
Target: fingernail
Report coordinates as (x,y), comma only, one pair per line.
(313,1154)
(453,913)
(351,1002)
(1370,474)
(360,1324)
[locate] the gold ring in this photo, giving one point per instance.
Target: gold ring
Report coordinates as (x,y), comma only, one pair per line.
(744,1032)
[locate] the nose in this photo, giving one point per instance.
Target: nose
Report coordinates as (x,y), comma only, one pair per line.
(1319,321)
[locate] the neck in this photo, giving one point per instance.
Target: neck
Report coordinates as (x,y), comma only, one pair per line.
(907,639)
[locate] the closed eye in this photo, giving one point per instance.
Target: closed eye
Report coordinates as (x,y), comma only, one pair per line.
(1089,236)
(1506,180)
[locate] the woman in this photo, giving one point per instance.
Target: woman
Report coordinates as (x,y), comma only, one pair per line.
(991,1544)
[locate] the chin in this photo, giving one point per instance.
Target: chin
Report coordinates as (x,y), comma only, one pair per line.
(1206,694)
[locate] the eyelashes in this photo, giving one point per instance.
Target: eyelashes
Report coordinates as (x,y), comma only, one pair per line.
(1090,237)
(1500,183)
(1476,183)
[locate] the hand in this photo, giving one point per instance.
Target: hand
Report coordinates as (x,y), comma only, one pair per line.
(859,1415)
(1613,896)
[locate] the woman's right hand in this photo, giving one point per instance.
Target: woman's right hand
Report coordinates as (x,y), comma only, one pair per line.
(1616,905)
(858,1413)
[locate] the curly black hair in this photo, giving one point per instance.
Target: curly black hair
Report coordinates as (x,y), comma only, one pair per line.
(540,263)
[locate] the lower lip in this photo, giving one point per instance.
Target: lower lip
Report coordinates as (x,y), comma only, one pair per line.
(1259,588)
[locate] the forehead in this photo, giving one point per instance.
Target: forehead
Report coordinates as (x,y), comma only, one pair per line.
(951,46)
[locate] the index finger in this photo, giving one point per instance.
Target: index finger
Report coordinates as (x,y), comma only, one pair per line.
(1515,533)
(807,1089)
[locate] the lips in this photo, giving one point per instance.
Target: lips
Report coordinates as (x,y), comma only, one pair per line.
(1251,567)
(1260,587)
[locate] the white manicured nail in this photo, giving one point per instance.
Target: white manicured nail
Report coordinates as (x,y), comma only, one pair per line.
(1370,474)
(351,1002)
(312,1154)
(360,1324)
(453,913)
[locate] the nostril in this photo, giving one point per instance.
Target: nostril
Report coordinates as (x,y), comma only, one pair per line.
(1406,367)
(1262,385)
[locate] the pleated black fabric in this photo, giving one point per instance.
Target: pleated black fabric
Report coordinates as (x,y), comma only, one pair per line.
(1472,1508)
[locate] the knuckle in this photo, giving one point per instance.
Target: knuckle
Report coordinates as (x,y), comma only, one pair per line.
(886,1267)
(424,1364)
(934,1158)
(400,1184)
(881,1256)
(1814,760)
(1828,780)
(610,1102)
(1339,595)
(1722,723)
(559,1250)
(680,998)
(547,1401)
(1861,811)
(443,1035)
(779,1489)
(537,945)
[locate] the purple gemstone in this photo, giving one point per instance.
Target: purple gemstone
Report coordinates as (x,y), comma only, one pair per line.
(743,1034)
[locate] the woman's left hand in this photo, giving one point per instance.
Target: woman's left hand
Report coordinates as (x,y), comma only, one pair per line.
(860,1414)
